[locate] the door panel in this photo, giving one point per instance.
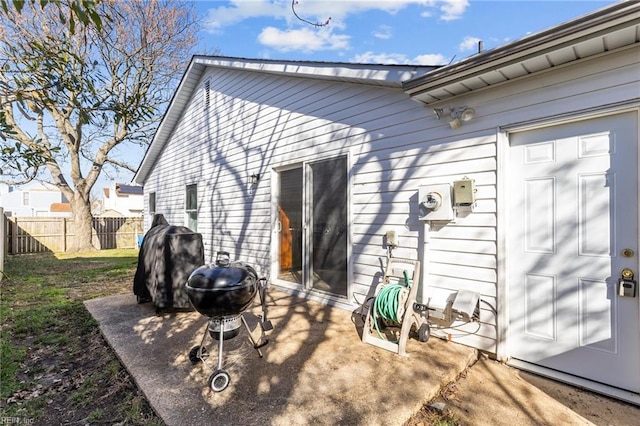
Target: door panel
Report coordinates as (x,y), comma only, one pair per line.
(290,225)
(286,242)
(573,209)
(329,215)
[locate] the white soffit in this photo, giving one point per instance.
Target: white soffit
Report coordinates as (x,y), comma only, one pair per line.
(608,29)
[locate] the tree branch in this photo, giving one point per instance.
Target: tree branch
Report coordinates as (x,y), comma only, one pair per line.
(120,164)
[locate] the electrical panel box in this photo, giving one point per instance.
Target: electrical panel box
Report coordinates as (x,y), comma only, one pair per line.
(464,192)
(435,202)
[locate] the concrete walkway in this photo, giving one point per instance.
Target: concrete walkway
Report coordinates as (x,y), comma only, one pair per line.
(490,393)
(316,370)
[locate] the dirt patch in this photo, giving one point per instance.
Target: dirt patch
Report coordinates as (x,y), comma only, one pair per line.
(56,366)
(78,387)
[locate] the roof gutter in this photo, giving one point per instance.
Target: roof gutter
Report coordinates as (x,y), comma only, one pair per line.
(599,22)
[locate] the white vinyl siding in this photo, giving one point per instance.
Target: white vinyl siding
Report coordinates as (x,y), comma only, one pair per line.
(258,121)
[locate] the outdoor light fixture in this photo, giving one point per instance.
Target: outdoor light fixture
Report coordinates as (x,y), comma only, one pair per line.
(255,178)
(441,112)
(458,115)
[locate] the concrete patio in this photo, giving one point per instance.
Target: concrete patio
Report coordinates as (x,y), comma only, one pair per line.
(315,368)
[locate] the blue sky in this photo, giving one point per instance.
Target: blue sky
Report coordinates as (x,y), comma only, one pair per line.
(427,32)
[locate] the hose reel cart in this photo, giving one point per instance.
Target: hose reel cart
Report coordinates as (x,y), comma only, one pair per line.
(393,305)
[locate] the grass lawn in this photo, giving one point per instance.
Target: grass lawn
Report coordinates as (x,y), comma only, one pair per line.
(55,367)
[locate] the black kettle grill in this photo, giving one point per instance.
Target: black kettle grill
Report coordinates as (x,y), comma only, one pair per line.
(223,292)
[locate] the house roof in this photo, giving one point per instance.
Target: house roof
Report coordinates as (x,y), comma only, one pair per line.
(613,27)
(124,189)
(369,74)
(610,28)
(60,207)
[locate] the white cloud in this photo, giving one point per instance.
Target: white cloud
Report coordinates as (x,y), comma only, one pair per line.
(383,32)
(319,10)
(469,43)
(238,10)
(296,36)
(398,59)
(304,40)
(453,9)
(431,59)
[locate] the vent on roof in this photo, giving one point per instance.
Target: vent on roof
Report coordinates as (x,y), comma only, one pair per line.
(207,91)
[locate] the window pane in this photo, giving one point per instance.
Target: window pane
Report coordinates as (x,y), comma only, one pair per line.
(152,203)
(192,197)
(329,214)
(290,217)
(193,221)
(191,207)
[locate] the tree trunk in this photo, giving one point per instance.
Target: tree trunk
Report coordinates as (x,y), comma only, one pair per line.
(83,224)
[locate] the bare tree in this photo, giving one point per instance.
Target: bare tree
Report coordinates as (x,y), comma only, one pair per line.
(72,98)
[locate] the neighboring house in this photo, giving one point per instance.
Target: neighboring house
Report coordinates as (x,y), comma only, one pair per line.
(33,199)
(301,169)
(122,200)
(61,210)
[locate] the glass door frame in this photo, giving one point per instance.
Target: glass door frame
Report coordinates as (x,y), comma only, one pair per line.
(307,282)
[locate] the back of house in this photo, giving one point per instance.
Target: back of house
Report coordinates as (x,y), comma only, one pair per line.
(315,173)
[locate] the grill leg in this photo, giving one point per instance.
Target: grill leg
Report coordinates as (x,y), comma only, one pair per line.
(220,345)
(201,348)
(253,342)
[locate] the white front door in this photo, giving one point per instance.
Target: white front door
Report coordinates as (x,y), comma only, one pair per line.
(573,226)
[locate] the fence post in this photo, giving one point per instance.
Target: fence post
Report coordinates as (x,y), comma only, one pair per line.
(64,235)
(14,233)
(3,231)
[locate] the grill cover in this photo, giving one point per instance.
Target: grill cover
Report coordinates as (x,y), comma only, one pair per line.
(167,257)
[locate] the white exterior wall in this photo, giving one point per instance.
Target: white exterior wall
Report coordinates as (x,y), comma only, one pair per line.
(571,92)
(127,204)
(40,201)
(259,121)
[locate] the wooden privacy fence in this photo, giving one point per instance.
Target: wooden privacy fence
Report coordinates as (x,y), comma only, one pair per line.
(55,234)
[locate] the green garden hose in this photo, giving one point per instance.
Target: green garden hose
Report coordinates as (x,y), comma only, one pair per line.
(386,303)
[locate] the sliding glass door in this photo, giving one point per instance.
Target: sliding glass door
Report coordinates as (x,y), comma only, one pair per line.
(313,226)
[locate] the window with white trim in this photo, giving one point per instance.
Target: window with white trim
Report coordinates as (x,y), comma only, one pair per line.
(191,207)
(152,204)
